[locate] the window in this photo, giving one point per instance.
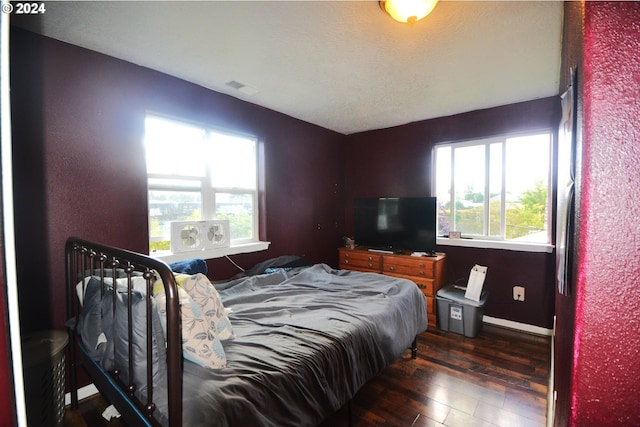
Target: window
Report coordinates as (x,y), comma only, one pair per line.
(495,188)
(195,173)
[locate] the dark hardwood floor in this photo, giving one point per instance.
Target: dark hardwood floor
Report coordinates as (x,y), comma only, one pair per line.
(499,378)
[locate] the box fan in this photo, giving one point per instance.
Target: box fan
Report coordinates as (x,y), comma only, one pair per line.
(189,236)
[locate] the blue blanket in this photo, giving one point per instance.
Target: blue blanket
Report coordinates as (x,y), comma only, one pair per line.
(189,266)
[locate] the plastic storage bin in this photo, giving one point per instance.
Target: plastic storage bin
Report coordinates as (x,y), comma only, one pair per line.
(43,365)
(457,313)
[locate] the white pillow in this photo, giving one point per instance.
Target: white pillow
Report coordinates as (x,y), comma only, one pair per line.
(206,296)
(199,344)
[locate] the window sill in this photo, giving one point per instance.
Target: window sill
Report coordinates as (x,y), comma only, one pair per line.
(169,257)
(496,244)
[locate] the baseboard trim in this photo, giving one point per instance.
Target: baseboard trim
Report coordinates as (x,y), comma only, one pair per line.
(532,329)
(83,393)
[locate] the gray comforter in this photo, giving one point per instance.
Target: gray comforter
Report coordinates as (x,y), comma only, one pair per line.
(306,341)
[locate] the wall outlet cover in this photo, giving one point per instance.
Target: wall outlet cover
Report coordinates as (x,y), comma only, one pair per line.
(518,293)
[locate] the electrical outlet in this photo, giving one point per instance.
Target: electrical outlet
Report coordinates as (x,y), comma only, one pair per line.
(518,293)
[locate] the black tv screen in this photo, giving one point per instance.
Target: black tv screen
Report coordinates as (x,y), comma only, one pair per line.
(402,224)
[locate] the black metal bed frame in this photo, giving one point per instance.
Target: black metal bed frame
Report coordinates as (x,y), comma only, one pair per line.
(84,258)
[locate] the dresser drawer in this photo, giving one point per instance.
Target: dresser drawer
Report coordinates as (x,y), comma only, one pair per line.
(360,260)
(425,285)
(411,266)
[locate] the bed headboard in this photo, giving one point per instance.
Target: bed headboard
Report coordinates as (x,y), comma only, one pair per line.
(85,259)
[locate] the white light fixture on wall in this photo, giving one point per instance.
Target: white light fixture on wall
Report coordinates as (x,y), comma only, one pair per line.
(408,11)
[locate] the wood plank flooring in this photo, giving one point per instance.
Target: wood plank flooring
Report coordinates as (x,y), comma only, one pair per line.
(498,378)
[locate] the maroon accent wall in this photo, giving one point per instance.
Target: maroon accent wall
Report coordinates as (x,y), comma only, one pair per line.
(534,271)
(396,162)
(565,304)
(80,169)
(605,386)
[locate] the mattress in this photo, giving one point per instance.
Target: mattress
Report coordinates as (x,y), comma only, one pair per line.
(306,341)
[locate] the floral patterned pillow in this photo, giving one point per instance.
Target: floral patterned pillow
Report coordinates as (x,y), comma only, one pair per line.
(202,291)
(199,344)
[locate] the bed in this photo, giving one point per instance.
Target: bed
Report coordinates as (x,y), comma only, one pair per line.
(279,346)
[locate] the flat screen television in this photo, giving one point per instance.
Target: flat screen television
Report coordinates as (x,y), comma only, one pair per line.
(400,224)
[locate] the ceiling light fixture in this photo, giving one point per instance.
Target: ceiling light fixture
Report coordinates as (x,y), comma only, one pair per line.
(408,11)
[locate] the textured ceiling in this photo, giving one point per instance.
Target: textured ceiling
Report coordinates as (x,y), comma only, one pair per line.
(343,65)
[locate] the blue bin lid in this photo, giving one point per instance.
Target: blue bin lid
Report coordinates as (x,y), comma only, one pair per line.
(456,293)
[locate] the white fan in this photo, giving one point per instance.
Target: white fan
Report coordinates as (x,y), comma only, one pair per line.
(217,233)
(189,236)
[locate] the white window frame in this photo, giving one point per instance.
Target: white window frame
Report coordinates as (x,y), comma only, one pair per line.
(496,242)
(208,196)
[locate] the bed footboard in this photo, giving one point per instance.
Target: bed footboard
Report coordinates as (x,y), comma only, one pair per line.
(112,267)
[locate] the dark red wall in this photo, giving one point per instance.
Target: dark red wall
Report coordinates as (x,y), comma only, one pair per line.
(396,162)
(605,386)
(597,341)
(565,304)
(80,167)
(535,271)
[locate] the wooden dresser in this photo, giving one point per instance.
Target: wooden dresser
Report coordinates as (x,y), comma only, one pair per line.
(426,272)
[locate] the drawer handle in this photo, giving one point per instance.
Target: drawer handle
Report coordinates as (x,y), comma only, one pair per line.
(346,261)
(421,265)
(391,268)
(421,286)
(370,265)
(346,255)
(370,259)
(421,273)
